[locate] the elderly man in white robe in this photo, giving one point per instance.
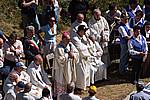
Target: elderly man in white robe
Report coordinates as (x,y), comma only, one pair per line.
(79,21)
(38,76)
(100,28)
(66,57)
(98,70)
(83,66)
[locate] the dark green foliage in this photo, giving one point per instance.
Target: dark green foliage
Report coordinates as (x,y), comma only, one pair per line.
(10,12)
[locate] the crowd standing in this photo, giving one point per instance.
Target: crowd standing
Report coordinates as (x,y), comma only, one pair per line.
(82,56)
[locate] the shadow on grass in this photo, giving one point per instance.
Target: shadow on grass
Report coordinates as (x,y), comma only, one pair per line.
(114,77)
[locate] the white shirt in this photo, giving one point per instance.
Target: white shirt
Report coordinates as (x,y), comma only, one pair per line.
(134,52)
(123,32)
(9,55)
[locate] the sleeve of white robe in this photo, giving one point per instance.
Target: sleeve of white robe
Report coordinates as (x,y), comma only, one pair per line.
(106,30)
(60,57)
(99,49)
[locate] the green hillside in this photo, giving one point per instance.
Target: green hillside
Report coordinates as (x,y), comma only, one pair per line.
(10,18)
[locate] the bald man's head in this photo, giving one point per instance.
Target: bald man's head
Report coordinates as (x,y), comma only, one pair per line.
(38,59)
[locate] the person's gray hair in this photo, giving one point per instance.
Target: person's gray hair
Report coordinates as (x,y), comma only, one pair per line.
(97,10)
(30,28)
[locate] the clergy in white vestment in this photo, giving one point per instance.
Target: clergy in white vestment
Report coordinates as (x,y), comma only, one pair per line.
(65,59)
(83,66)
(100,28)
(98,68)
(79,21)
(38,76)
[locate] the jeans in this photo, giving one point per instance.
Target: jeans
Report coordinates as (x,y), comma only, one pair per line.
(124,58)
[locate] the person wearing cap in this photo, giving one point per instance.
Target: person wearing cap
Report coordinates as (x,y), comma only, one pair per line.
(92,91)
(50,32)
(70,93)
(38,76)
(65,60)
(25,94)
(98,26)
(132,8)
(31,44)
(98,70)
(138,50)
(20,71)
(140,94)
(83,66)
(125,34)
(79,21)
